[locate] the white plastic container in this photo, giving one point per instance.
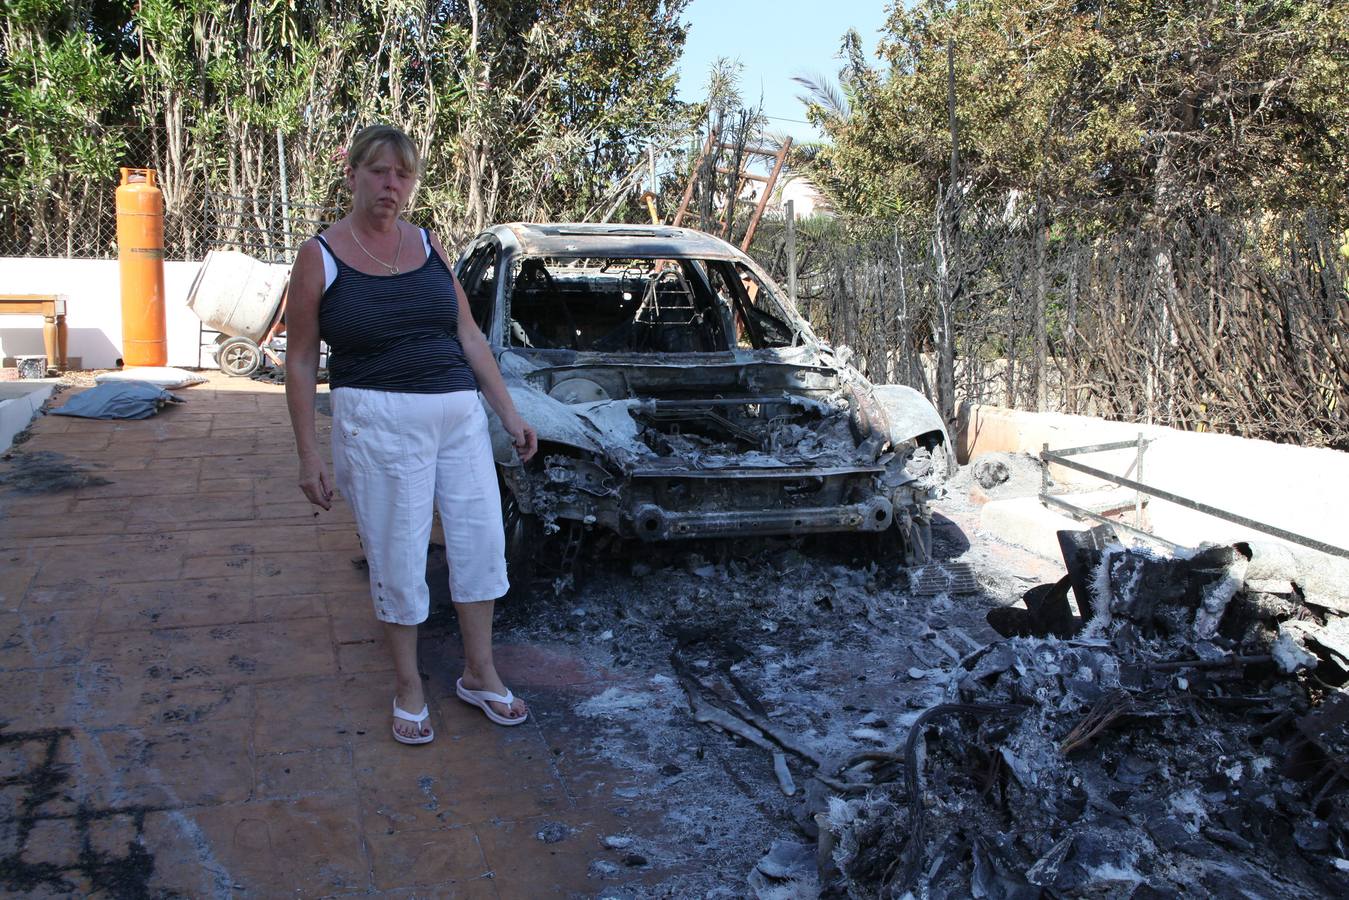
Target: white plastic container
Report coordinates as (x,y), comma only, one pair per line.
(31,366)
(238,295)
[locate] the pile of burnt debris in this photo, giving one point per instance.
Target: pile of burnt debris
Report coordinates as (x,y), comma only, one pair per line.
(1186,731)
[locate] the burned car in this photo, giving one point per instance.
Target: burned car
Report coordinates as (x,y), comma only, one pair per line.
(677,394)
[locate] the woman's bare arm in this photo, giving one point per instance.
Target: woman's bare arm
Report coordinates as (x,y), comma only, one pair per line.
(302,361)
(488,373)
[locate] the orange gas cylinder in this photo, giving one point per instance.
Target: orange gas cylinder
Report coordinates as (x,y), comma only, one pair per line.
(140,256)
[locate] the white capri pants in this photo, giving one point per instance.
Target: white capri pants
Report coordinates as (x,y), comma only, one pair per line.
(398,456)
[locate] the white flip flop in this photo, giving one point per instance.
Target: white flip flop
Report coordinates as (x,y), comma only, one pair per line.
(481,699)
(418,719)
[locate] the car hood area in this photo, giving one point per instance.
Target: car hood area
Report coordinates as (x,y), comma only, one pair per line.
(704,412)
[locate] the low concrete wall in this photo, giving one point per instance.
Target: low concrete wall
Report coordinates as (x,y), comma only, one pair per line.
(93,294)
(1304,490)
(19,402)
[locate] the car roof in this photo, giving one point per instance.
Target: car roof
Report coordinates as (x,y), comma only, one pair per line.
(577,239)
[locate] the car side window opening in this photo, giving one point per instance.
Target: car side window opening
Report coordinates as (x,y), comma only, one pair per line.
(480,283)
(613,305)
(722,277)
(759,322)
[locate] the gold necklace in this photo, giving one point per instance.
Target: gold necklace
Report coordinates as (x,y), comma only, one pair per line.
(393,269)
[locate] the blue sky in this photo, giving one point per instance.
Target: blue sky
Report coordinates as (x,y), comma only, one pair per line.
(774,40)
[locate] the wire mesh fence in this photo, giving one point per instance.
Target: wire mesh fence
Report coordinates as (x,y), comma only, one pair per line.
(74,215)
(266,228)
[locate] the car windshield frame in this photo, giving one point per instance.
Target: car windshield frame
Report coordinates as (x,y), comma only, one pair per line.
(714,295)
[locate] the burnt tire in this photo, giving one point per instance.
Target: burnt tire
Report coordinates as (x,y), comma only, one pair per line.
(908,542)
(524,535)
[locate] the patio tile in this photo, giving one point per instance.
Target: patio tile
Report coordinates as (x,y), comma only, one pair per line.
(288,606)
(301,714)
(25,526)
(235,566)
(15,576)
(353,618)
(301,773)
(191,652)
(310,846)
(39,698)
(524,866)
(44,639)
(206,508)
(138,484)
(81,442)
(318,572)
(177,603)
(364,656)
(234,653)
(241,445)
(170,767)
(107,698)
(112,563)
(443,858)
(250,537)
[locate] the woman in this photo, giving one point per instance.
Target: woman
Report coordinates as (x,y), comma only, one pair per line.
(405,363)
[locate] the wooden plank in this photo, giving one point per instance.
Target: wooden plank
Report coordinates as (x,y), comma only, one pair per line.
(768,189)
(744,176)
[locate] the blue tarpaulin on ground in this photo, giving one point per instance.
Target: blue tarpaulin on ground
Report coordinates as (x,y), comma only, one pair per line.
(117,400)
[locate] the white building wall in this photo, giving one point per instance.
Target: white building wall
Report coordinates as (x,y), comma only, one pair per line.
(1304,490)
(806,198)
(92,291)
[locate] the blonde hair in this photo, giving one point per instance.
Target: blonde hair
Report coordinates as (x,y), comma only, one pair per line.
(370,140)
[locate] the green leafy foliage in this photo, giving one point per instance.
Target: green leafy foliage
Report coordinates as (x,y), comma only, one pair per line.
(1113,111)
(538,108)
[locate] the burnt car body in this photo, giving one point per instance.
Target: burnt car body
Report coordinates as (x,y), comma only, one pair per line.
(677,394)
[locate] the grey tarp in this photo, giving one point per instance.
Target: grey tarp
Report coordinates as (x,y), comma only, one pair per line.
(117,400)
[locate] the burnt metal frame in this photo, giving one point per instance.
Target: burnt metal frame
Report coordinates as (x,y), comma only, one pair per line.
(1060,457)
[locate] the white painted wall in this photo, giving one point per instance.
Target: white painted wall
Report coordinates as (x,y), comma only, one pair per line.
(92,289)
(1304,490)
(806,198)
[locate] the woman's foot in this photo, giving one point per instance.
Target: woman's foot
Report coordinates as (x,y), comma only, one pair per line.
(491,682)
(411,700)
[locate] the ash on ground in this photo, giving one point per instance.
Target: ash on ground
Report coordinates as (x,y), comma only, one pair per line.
(811,637)
(45,472)
(1000,476)
(800,724)
(1185,739)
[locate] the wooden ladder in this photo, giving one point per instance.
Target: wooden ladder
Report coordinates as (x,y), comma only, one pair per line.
(713,146)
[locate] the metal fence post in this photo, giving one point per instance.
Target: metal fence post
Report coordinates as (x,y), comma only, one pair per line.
(1138,474)
(285,194)
(1044,471)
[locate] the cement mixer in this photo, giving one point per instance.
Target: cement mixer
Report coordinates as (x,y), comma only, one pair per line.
(245,300)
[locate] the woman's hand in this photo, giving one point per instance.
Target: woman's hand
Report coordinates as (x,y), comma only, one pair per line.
(523,438)
(315,482)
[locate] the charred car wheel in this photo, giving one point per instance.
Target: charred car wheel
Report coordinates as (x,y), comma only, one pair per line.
(908,542)
(524,533)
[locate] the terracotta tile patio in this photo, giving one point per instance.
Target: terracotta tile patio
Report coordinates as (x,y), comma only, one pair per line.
(196,695)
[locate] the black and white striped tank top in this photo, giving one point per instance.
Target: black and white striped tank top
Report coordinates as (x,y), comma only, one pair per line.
(394,332)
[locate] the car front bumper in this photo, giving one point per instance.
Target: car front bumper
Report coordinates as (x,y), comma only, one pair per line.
(653,523)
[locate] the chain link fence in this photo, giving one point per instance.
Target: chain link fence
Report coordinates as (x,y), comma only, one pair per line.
(74,216)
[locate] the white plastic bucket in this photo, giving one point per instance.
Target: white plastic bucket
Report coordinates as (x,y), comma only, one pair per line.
(31,366)
(238,295)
